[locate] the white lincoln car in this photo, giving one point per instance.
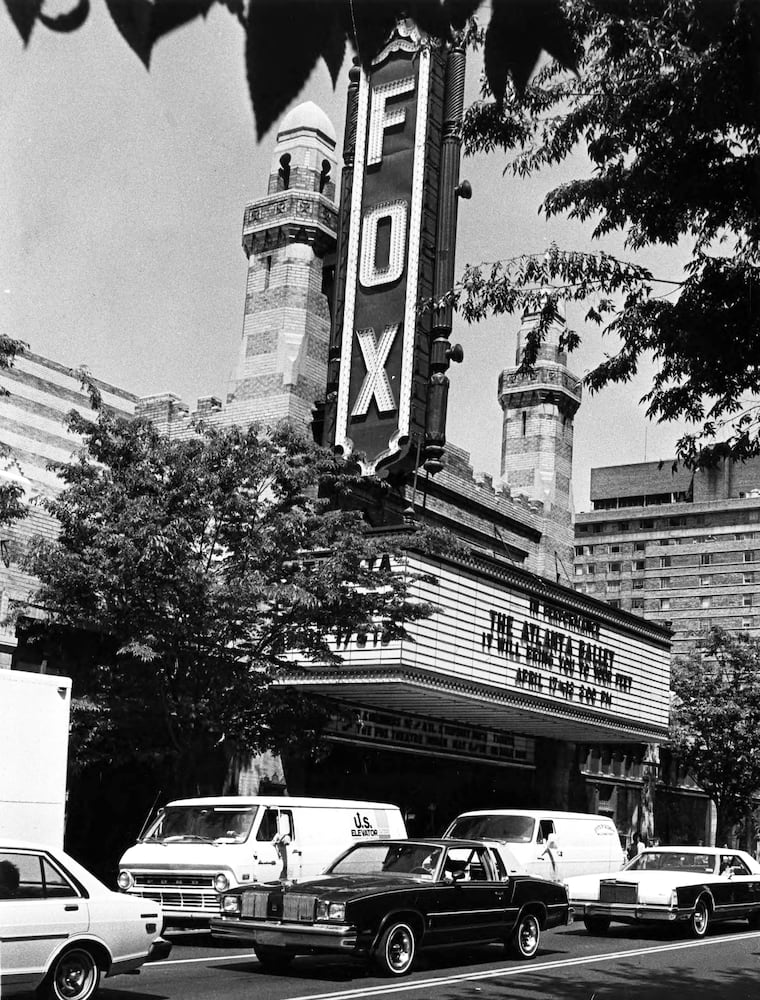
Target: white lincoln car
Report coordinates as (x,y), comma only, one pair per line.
(61,929)
(689,886)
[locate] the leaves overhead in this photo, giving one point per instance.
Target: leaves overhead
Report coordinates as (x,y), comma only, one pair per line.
(286,38)
(666,106)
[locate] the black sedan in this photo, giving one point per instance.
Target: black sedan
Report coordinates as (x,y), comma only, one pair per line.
(384,900)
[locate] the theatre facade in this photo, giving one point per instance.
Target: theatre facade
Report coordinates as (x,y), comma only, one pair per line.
(515,692)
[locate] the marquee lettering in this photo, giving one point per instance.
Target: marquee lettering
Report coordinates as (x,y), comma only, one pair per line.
(370,275)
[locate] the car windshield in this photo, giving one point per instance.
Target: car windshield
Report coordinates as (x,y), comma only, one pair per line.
(381,858)
(513,829)
(673,861)
(208,823)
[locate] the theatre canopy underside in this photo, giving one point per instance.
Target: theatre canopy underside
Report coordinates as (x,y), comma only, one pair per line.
(511,652)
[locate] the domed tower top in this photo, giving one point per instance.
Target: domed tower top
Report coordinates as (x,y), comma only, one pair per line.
(304,156)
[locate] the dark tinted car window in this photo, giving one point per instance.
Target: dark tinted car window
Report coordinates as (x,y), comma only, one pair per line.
(514,829)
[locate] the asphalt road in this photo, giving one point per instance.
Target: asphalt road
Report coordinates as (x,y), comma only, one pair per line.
(628,964)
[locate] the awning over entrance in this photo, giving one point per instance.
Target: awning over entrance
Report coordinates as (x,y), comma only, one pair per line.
(416,692)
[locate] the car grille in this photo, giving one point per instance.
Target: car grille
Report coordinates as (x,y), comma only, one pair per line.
(206,901)
(176,881)
(618,892)
(255,904)
(297,906)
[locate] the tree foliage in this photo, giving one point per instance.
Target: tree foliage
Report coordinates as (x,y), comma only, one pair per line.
(715,722)
(666,106)
(286,38)
(199,573)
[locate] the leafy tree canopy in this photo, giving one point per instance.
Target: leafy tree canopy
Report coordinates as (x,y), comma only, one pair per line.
(666,105)
(715,722)
(199,572)
(282,49)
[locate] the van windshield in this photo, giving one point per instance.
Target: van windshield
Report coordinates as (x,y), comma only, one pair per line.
(513,829)
(202,823)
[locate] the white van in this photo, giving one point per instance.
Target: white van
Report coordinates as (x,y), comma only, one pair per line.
(195,849)
(550,844)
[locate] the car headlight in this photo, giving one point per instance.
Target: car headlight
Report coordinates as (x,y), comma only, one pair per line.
(221,882)
(231,905)
(125,880)
(330,911)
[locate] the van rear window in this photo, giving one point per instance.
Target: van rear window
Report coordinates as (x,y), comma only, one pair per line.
(513,829)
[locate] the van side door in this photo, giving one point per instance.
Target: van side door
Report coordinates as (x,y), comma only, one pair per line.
(277,853)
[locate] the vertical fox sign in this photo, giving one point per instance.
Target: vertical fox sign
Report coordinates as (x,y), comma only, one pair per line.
(381,343)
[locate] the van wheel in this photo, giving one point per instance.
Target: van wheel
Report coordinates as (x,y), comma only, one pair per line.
(699,920)
(526,937)
(597,925)
(396,950)
(272,958)
(73,976)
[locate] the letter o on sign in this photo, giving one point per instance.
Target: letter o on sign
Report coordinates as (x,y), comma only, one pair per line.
(370,275)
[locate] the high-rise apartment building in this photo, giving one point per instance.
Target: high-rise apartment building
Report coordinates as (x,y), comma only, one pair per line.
(672,545)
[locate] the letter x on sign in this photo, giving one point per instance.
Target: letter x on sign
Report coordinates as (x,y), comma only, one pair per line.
(375,354)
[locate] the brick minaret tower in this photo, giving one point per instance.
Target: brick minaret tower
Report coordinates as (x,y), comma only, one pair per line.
(537,442)
(282,365)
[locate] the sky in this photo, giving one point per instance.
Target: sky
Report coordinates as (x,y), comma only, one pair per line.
(122,195)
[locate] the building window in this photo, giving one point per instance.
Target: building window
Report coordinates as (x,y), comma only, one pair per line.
(664,561)
(705,581)
(614,584)
(640,546)
(614,604)
(747,601)
(591,569)
(613,567)
(664,604)
(749,556)
(638,584)
(579,571)
(623,526)
(746,623)
(664,582)
(647,524)
(582,527)
(579,550)
(639,564)
(637,603)
(614,548)
(598,529)
(524,422)
(705,558)
(704,602)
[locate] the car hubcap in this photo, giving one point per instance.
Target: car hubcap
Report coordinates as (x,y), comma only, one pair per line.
(528,936)
(75,976)
(700,919)
(400,949)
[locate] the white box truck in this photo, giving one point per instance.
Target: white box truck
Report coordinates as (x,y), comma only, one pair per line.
(34,738)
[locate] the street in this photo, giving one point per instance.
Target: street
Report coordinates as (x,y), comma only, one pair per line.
(629,962)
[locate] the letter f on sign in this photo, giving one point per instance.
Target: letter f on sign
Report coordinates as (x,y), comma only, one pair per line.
(381,117)
(375,354)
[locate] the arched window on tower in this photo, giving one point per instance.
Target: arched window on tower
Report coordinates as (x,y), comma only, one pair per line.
(324,177)
(284,171)
(524,422)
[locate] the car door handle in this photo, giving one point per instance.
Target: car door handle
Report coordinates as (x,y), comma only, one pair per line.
(70,907)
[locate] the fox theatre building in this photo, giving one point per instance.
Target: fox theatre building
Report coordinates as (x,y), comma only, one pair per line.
(517,691)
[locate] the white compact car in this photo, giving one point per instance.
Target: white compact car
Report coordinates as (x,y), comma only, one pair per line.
(61,929)
(691,886)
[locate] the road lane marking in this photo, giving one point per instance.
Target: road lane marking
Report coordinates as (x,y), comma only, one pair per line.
(209,960)
(518,970)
